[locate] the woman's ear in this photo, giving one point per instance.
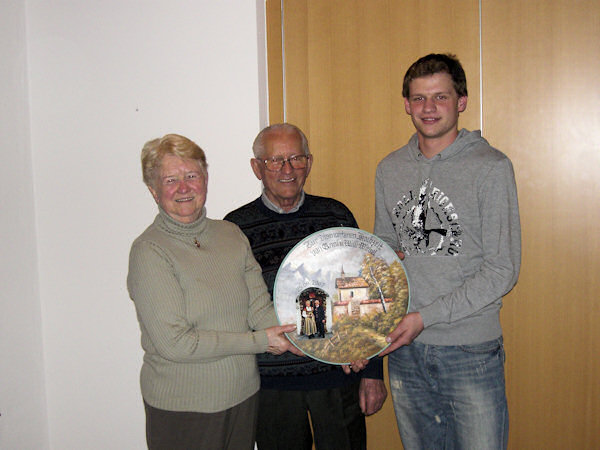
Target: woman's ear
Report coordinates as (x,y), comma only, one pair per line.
(154,193)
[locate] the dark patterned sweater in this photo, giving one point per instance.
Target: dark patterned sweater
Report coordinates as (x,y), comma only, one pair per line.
(272,236)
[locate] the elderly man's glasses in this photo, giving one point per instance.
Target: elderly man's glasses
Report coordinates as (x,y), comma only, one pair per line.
(295,161)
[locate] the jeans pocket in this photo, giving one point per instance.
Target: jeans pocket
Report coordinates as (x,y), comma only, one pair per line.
(488,347)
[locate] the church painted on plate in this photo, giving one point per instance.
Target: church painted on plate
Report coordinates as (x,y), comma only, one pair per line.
(353,298)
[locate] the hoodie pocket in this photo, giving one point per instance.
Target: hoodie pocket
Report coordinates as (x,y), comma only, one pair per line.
(431,276)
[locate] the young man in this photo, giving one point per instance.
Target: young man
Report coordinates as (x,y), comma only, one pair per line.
(447,202)
(293,386)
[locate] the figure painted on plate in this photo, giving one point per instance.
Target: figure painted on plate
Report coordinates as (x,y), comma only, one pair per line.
(310,326)
(320,318)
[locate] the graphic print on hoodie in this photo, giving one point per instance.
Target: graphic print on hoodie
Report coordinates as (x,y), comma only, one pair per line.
(427,223)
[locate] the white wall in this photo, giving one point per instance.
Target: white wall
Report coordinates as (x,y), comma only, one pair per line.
(22,399)
(104,77)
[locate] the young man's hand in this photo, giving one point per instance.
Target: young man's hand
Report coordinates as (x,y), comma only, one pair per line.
(406,331)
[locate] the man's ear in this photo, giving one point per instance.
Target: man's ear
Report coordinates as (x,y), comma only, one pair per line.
(256,167)
(309,164)
(462,103)
(407,106)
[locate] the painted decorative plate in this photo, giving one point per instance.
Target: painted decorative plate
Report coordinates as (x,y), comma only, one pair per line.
(346,290)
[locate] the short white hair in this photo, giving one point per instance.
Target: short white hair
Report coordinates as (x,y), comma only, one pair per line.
(258,147)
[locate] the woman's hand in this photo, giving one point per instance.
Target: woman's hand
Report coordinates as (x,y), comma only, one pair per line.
(279,343)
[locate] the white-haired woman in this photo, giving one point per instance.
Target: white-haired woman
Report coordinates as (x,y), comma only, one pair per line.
(203,308)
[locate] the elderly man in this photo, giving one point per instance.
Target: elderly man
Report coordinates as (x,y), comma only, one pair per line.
(292,386)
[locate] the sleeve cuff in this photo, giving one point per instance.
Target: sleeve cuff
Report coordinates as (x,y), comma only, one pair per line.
(374,369)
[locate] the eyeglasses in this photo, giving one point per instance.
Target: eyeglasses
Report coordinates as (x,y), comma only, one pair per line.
(296,162)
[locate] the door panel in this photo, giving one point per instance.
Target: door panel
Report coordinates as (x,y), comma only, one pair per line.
(541,103)
(344,65)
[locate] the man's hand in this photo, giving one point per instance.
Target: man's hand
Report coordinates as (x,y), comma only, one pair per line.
(279,343)
(371,395)
(355,366)
(406,331)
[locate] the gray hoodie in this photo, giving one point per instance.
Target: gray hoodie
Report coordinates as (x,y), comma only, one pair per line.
(456,218)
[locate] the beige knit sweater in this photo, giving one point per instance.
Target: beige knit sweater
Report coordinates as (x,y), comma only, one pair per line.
(199,294)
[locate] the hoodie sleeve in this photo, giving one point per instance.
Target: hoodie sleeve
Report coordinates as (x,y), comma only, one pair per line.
(501,249)
(383,228)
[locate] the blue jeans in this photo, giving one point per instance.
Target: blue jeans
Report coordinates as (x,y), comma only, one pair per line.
(450,397)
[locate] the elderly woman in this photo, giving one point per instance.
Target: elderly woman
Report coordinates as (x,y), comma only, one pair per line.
(203,308)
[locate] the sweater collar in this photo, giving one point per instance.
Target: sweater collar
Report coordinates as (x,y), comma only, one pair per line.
(185,230)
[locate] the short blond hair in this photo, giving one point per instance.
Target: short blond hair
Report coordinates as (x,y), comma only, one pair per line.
(170,144)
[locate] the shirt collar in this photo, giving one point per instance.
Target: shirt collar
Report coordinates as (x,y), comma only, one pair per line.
(273,207)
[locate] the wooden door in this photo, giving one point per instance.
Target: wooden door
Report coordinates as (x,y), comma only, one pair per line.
(338,75)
